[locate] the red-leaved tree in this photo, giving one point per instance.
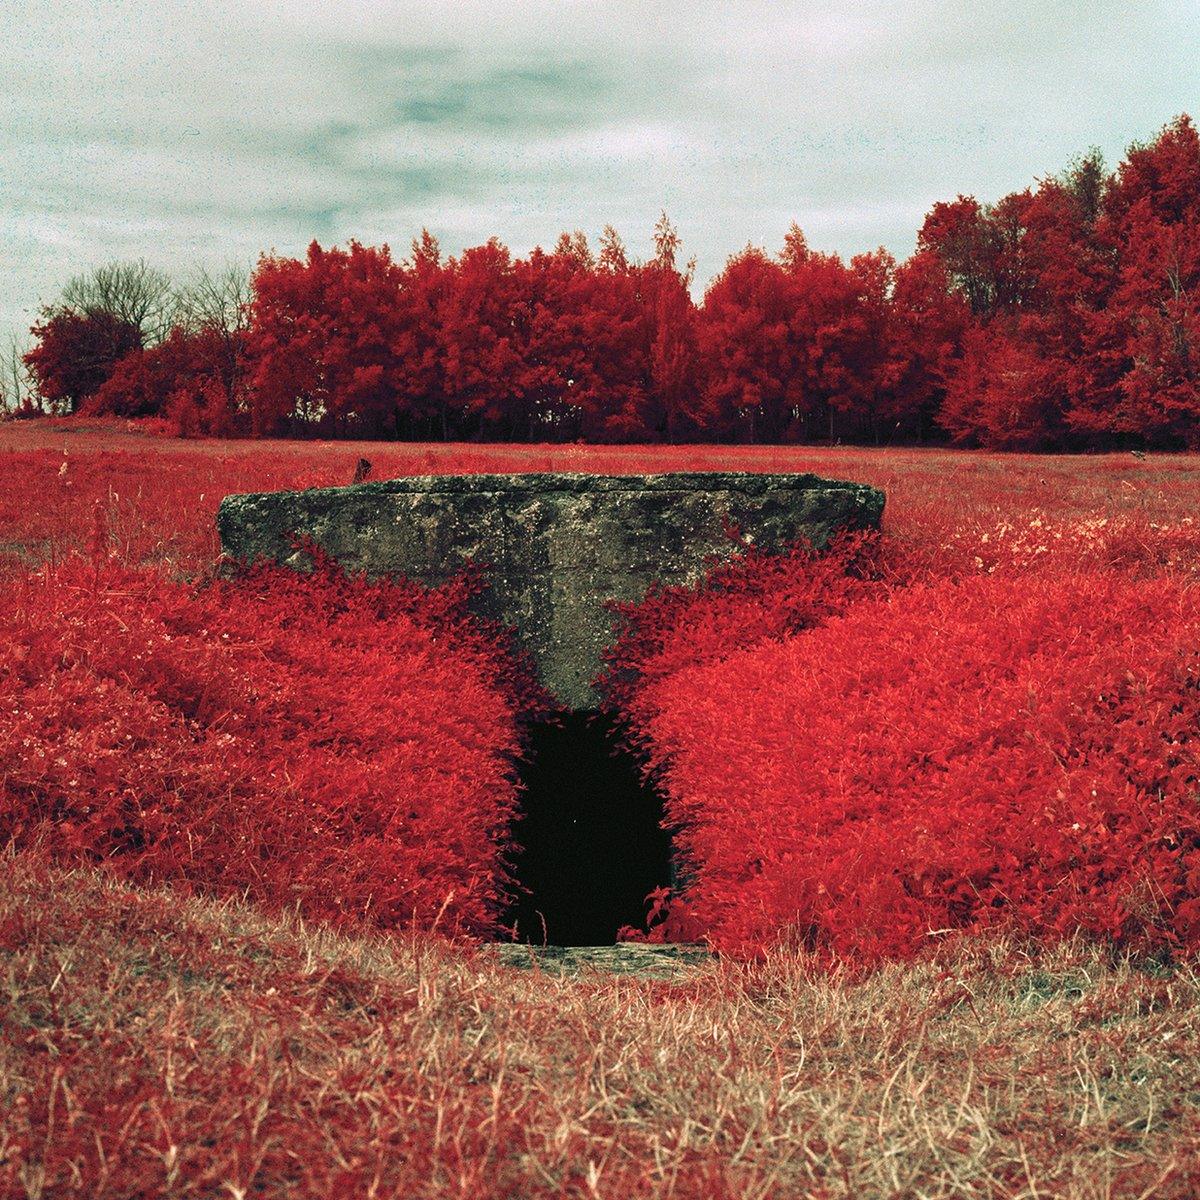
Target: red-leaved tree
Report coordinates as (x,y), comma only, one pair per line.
(76,353)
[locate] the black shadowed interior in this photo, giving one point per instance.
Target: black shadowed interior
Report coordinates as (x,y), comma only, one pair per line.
(592,841)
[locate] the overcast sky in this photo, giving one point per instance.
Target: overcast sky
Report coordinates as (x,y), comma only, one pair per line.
(210,130)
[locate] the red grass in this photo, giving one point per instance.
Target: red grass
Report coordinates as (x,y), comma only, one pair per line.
(313,741)
(153,1046)
(161,494)
(982,530)
(1005,742)
(953,756)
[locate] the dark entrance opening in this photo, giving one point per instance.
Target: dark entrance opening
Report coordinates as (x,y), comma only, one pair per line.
(591,834)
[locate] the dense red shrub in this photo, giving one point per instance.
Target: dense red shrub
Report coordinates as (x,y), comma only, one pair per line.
(747,599)
(953,756)
(186,380)
(308,740)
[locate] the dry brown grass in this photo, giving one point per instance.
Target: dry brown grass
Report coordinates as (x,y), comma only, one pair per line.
(157,1045)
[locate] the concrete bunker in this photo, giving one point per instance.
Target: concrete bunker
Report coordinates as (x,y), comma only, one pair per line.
(556,547)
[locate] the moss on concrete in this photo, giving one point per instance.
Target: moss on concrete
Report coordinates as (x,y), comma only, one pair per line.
(556,546)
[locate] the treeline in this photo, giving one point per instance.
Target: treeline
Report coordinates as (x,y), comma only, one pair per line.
(1064,316)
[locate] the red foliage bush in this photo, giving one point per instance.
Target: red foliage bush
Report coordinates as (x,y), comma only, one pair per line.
(745,600)
(183,381)
(76,352)
(993,752)
(313,740)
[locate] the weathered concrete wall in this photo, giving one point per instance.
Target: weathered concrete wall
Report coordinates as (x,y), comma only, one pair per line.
(557,546)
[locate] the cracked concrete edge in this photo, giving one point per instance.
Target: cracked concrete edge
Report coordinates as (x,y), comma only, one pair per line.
(644,960)
(544,482)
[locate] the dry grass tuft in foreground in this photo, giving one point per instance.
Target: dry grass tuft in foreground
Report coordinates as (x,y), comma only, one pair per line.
(153,1045)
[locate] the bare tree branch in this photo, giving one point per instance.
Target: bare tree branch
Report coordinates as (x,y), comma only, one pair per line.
(133,292)
(216,301)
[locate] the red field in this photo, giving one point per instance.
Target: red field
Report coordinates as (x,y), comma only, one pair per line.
(160,494)
(136,499)
(992,735)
